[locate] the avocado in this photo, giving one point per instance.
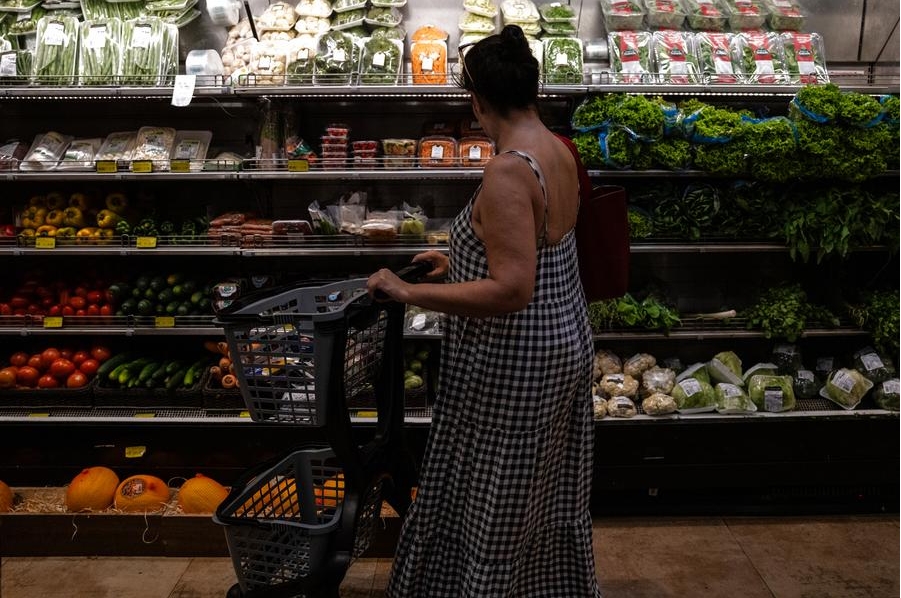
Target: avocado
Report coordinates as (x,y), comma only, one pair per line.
(172,307)
(145,307)
(142,282)
(183,309)
(158,283)
(165,296)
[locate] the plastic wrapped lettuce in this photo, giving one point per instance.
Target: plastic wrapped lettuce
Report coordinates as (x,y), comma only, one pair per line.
(762,58)
(747,14)
(694,396)
(630,56)
(886,394)
(666,14)
(725,367)
(677,61)
(846,387)
(732,399)
(784,15)
(622,15)
(805,384)
(563,60)
(715,58)
(760,369)
(695,370)
(772,393)
(706,15)
(874,367)
(787,358)
(805,60)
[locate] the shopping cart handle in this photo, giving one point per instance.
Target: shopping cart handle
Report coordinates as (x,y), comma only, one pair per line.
(412,273)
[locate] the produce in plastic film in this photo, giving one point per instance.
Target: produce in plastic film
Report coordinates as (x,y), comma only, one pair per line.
(886,394)
(659,403)
(620,406)
(278,16)
(519,11)
(469,22)
(725,367)
(142,51)
(732,399)
(787,358)
(335,58)
(612,385)
(268,63)
(56,54)
(694,396)
(154,144)
(715,58)
(676,59)
(695,370)
(784,15)
(846,387)
(622,15)
(874,367)
(351,19)
(805,60)
(665,14)
(16,67)
(313,8)
(599,407)
(630,56)
(80,154)
(747,14)
(561,28)
(348,5)
(636,365)
(557,12)
(484,8)
(383,17)
(772,393)
(805,384)
(760,369)
(428,61)
(762,57)
(706,15)
(606,362)
(381,61)
(46,151)
(562,60)
(100,49)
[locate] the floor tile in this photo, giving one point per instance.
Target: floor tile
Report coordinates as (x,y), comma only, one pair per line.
(75,577)
(823,557)
(205,578)
(672,558)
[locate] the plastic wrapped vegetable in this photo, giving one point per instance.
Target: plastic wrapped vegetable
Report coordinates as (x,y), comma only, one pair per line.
(612,385)
(874,367)
(599,407)
(563,60)
(762,58)
(706,15)
(57,50)
(659,404)
(638,363)
(557,12)
(622,15)
(335,58)
(301,64)
(606,362)
(100,43)
(846,387)
(472,23)
(381,61)
(747,14)
(725,367)
(787,358)
(760,369)
(657,380)
(142,51)
(715,58)
(772,393)
(484,8)
(630,56)
(732,399)
(784,15)
(805,384)
(695,370)
(694,396)
(886,394)
(677,61)
(805,60)
(666,14)
(621,407)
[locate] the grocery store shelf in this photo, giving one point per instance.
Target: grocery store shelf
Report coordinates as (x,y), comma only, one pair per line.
(718,329)
(112,325)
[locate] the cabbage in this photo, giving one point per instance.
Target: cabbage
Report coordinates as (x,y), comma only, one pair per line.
(846,387)
(772,393)
(732,399)
(697,371)
(886,395)
(730,360)
(762,369)
(725,367)
(692,394)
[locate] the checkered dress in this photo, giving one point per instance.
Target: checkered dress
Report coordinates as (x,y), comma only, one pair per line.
(502,508)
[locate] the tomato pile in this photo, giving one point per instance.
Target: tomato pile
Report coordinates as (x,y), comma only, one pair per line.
(36,298)
(53,368)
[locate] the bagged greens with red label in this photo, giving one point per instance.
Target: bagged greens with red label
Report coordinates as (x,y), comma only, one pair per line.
(630,56)
(715,58)
(762,58)
(804,57)
(677,61)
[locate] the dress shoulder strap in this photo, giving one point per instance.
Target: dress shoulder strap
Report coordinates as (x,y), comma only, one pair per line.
(533,164)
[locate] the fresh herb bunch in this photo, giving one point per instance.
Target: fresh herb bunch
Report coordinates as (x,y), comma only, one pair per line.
(858,108)
(750,210)
(650,313)
(783,311)
(594,111)
(690,215)
(878,313)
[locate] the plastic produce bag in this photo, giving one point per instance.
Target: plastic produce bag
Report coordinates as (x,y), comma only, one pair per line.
(100,51)
(787,358)
(612,385)
(46,151)
(715,58)
(659,404)
(772,393)
(676,58)
(805,384)
(657,380)
(638,363)
(606,362)
(763,369)
(805,59)
(630,56)
(846,387)
(694,396)
(886,394)
(620,406)
(874,367)
(732,399)
(56,54)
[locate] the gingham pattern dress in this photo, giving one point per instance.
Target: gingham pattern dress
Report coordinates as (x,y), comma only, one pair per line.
(502,507)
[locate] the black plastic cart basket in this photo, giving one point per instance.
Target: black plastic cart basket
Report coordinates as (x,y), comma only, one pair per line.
(294,525)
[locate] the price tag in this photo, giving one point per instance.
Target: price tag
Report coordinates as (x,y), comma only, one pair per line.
(53,321)
(369,414)
(298,165)
(164,322)
(45,242)
(143,415)
(39,414)
(134,452)
(106,166)
(245,414)
(142,166)
(183,90)
(146,242)
(180,166)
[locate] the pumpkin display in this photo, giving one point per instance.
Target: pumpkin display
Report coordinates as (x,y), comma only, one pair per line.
(331,493)
(6,498)
(141,493)
(92,489)
(276,498)
(201,494)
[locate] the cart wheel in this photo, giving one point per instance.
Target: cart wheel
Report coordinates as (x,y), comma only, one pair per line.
(235,592)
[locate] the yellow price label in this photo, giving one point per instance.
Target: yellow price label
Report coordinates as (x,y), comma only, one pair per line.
(53,321)
(45,242)
(106,166)
(135,452)
(142,166)
(146,242)
(298,165)
(164,322)
(369,414)
(244,414)
(39,414)
(180,165)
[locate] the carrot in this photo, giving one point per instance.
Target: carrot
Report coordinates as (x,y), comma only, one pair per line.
(225,364)
(429,61)
(229,381)
(223,348)
(216,373)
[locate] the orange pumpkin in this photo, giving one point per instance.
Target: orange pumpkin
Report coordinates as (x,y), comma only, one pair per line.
(276,498)
(331,493)
(92,490)
(6,498)
(140,493)
(201,494)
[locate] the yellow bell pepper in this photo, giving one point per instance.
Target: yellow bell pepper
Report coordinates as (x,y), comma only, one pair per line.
(78,200)
(56,201)
(107,219)
(73,217)
(55,217)
(47,230)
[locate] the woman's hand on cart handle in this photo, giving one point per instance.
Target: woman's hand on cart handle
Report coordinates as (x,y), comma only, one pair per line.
(386,285)
(438,261)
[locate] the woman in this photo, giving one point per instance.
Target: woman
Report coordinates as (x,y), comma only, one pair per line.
(502,507)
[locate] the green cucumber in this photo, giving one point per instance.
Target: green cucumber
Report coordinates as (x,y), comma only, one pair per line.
(147,371)
(194,372)
(176,379)
(173,367)
(113,362)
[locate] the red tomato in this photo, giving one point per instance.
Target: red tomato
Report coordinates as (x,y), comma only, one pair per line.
(47,302)
(48,381)
(81,291)
(106,309)
(8,377)
(89,367)
(61,368)
(78,302)
(18,359)
(100,353)
(35,361)
(55,310)
(66,352)
(80,312)
(92,309)
(68,311)
(49,355)
(95,297)
(76,380)
(6,309)
(79,356)
(27,376)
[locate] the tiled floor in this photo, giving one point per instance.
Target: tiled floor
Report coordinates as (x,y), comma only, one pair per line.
(854,556)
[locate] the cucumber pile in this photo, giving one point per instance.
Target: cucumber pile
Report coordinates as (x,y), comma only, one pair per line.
(126,370)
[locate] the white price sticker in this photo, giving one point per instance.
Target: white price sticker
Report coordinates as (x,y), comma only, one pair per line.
(183,90)
(54,34)
(96,37)
(140,37)
(8,65)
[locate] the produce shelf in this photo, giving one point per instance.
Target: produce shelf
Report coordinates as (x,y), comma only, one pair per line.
(109,325)
(701,329)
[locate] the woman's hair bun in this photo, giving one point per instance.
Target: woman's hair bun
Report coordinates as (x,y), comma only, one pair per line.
(514,40)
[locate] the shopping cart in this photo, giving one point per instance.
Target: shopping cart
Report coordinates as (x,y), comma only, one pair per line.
(294,525)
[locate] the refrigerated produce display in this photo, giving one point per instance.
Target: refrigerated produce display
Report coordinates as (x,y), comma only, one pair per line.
(752,366)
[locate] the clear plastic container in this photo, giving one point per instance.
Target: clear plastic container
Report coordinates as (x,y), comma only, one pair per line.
(667,14)
(485,8)
(622,15)
(203,62)
(192,146)
(224,13)
(706,15)
(557,12)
